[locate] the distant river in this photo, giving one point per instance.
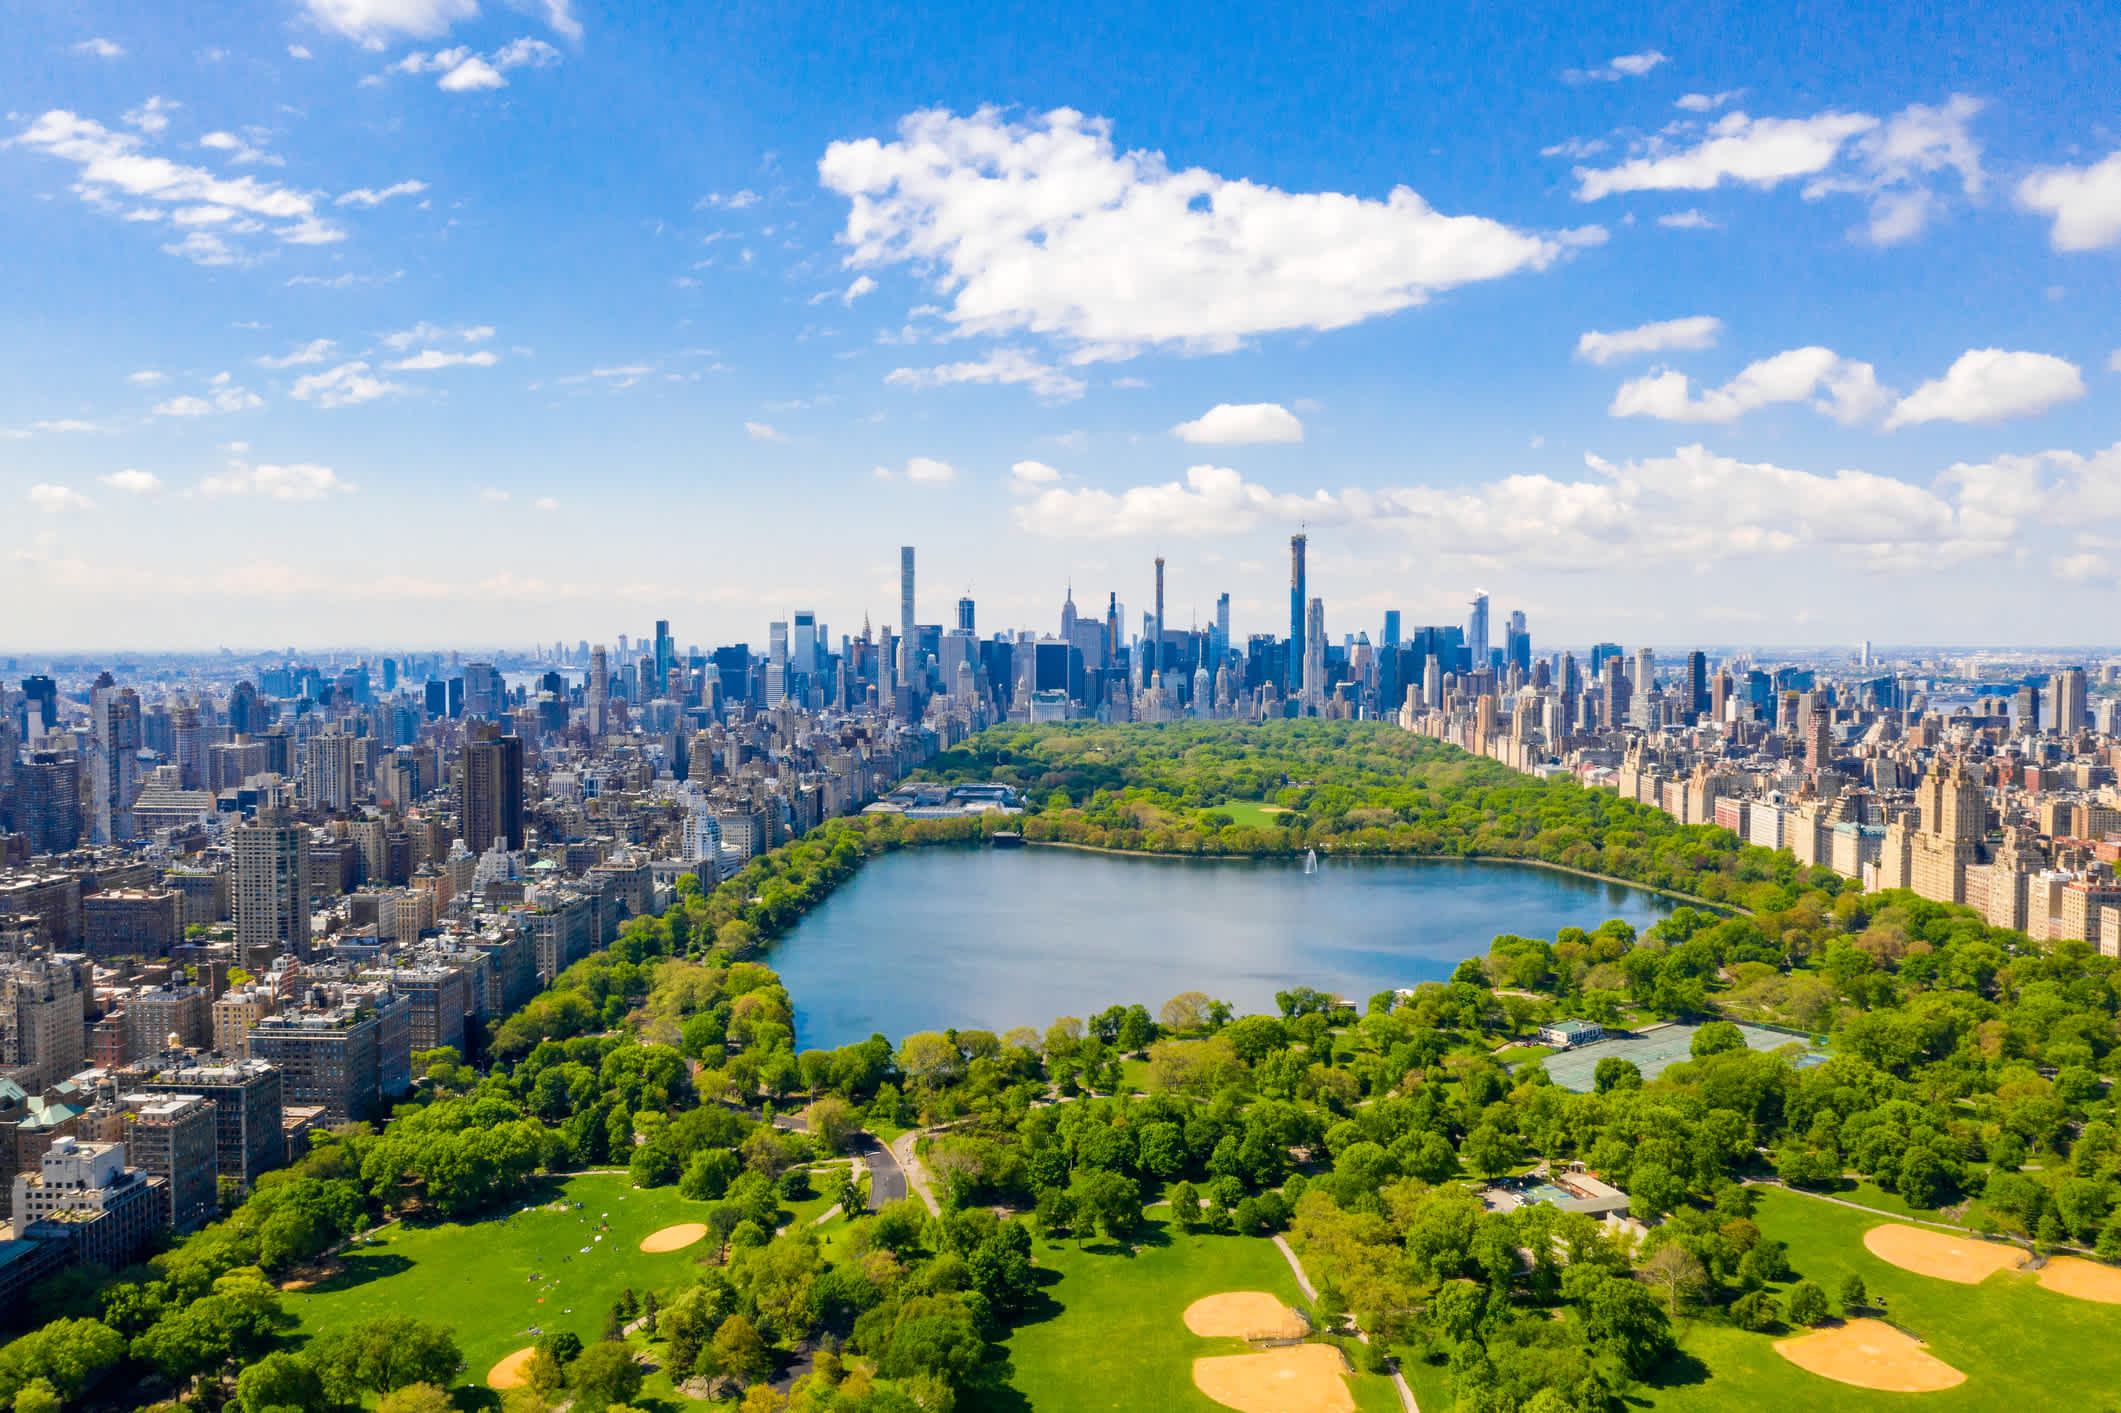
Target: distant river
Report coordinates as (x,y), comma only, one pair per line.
(986,939)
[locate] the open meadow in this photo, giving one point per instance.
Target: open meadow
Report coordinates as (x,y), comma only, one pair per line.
(1109,1330)
(477,1277)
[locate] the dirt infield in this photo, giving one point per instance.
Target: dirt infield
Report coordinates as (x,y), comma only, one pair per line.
(1870,1354)
(509,1372)
(1965,1259)
(2087,1280)
(674,1238)
(1244,1314)
(1300,1378)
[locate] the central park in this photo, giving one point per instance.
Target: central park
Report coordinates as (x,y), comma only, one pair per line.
(1251,1139)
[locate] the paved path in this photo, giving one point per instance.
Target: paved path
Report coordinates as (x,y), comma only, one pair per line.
(910,1163)
(1303,1283)
(887,1182)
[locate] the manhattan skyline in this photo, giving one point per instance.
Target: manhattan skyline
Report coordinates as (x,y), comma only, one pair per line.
(425,323)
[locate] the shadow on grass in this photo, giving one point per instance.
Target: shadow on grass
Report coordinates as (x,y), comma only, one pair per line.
(358,1268)
(1681,1370)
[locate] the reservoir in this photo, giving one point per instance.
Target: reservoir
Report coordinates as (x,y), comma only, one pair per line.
(987,939)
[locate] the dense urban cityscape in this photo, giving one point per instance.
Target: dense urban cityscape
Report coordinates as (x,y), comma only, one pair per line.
(241,892)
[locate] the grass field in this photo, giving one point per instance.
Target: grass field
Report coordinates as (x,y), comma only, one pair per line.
(1253,814)
(1110,1332)
(2019,1346)
(474,1277)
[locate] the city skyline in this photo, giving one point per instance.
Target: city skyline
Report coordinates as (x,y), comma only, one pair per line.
(343,321)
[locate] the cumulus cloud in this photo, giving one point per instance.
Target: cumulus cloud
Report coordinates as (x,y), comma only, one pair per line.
(426,333)
(100,48)
(152,117)
(862,285)
(368,196)
(1704,102)
(1045,227)
(371,23)
(241,151)
(347,385)
(1687,220)
(2083,202)
(1030,475)
(1212,500)
(1697,331)
(114,170)
(1992,385)
(464,70)
(315,351)
(302,481)
(762,432)
(53,499)
(223,398)
(1239,424)
(1004,365)
(1624,66)
(133,482)
(925,470)
(429,359)
(147,377)
(1892,161)
(1847,391)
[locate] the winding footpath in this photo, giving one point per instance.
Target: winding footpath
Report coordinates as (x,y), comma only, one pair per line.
(1310,1292)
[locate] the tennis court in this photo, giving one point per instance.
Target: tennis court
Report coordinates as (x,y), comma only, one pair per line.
(1652,1050)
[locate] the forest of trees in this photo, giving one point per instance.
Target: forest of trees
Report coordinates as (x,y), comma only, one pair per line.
(1354,788)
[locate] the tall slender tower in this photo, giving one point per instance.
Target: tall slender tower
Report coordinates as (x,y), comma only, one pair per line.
(1315,656)
(1296,613)
(1156,643)
(1477,634)
(909,638)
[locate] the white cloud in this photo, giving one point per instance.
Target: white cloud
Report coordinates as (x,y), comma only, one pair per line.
(425,333)
(471,76)
(1687,220)
(100,48)
(1698,331)
(132,482)
(65,424)
(1624,66)
(1990,385)
(1030,475)
(344,386)
(1849,390)
(928,470)
(1213,500)
(368,196)
(1004,365)
(146,377)
(2114,363)
(429,359)
(372,22)
(53,499)
(547,503)
(1704,102)
(560,15)
(862,285)
(113,169)
(300,482)
(297,51)
(152,117)
(494,496)
(1762,152)
(2084,568)
(1045,227)
(1894,161)
(762,432)
(733,201)
(1240,424)
(315,351)
(241,151)
(223,398)
(2084,202)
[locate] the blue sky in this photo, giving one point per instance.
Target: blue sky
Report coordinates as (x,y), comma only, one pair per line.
(468,322)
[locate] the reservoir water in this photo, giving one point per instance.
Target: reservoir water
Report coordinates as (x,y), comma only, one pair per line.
(986,939)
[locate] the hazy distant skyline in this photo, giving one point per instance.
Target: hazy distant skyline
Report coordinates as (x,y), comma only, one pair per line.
(433,322)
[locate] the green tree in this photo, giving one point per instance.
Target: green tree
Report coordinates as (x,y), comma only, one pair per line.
(415,1398)
(606,1373)
(1808,1305)
(1855,1297)
(739,1351)
(279,1380)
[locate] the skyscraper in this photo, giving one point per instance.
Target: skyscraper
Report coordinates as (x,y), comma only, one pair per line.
(598,690)
(1156,641)
(2069,698)
(1477,633)
(909,636)
(1697,681)
(802,653)
(1315,655)
(1296,614)
(328,771)
(1391,635)
(1222,628)
(271,893)
(666,650)
(493,790)
(965,615)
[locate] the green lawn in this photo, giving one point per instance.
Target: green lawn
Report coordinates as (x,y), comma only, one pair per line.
(474,1277)
(1253,814)
(2020,1347)
(1110,1331)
